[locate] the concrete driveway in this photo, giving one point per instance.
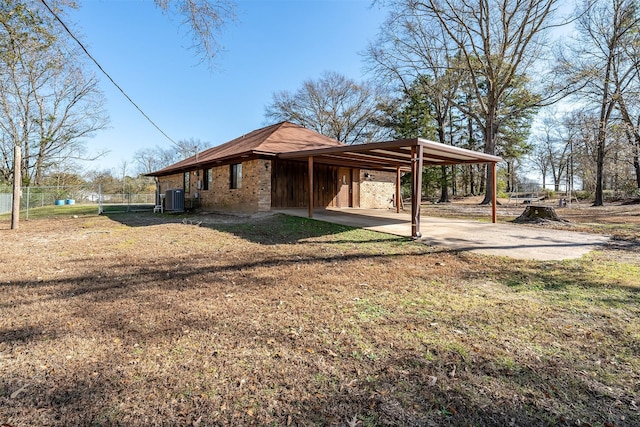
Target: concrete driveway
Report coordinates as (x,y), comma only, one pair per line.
(510,240)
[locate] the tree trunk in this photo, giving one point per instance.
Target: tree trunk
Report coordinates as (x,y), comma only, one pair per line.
(490,136)
(454,181)
(636,153)
(636,166)
(444,186)
(38,175)
(17,179)
(472,184)
(599,199)
(605,111)
(538,214)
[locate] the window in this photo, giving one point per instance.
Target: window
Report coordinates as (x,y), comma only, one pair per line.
(187,182)
(235,180)
(208,179)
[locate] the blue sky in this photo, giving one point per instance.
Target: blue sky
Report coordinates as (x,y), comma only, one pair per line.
(274,45)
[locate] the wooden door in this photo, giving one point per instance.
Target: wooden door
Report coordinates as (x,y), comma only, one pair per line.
(344,187)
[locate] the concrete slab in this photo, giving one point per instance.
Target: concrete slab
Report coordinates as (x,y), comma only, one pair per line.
(509,240)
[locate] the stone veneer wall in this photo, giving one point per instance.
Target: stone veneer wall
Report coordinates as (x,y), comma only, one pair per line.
(253,195)
(377,190)
(171,182)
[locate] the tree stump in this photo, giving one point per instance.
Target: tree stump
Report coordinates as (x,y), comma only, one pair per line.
(538,214)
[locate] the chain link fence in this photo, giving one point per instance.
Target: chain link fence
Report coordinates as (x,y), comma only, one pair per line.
(105,202)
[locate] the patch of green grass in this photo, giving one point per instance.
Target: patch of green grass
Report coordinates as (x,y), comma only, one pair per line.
(284,229)
(56,211)
(369,310)
(613,228)
(588,277)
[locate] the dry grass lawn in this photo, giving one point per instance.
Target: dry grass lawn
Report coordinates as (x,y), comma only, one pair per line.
(137,319)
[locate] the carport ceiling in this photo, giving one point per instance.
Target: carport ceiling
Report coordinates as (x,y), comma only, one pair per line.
(391,154)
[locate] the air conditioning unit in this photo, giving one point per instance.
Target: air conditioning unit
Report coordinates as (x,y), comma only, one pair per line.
(174,200)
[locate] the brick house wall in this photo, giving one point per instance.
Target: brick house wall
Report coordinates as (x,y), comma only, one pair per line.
(373,189)
(253,194)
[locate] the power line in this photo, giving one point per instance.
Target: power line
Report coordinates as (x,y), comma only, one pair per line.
(55,15)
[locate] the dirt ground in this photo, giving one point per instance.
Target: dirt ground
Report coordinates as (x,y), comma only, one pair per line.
(141,319)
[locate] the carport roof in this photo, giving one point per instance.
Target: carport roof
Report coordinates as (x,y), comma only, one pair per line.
(289,141)
(390,155)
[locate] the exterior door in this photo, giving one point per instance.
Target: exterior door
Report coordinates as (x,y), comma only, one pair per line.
(344,187)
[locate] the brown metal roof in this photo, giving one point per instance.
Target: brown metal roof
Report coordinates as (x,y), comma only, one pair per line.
(268,141)
(392,154)
(289,141)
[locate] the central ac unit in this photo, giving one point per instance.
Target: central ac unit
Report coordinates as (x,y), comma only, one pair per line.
(174,200)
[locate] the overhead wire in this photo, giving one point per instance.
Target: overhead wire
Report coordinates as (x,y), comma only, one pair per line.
(57,18)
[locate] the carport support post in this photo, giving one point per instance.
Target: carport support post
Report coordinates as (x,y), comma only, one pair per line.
(310,186)
(398,195)
(416,189)
(494,194)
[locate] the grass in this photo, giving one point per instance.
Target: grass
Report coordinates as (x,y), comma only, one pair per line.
(134,319)
(52,211)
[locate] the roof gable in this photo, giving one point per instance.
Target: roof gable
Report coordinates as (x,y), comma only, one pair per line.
(271,140)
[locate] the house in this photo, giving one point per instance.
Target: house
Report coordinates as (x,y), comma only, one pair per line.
(287,166)
(247,174)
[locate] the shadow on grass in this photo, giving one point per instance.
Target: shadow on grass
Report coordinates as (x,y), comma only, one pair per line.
(259,365)
(577,274)
(582,280)
(176,273)
(269,229)
(285,229)
(327,387)
(281,229)
(401,393)
(24,334)
(251,363)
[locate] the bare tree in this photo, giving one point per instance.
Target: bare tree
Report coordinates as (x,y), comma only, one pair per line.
(152,159)
(496,44)
(44,92)
(605,29)
(333,105)
(628,94)
(205,20)
(552,142)
(123,168)
(582,127)
(47,104)
(634,141)
(36,113)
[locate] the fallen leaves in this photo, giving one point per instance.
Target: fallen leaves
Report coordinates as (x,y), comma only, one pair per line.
(17,393)
(205,327)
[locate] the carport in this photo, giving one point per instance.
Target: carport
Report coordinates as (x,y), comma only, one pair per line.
(407,155)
